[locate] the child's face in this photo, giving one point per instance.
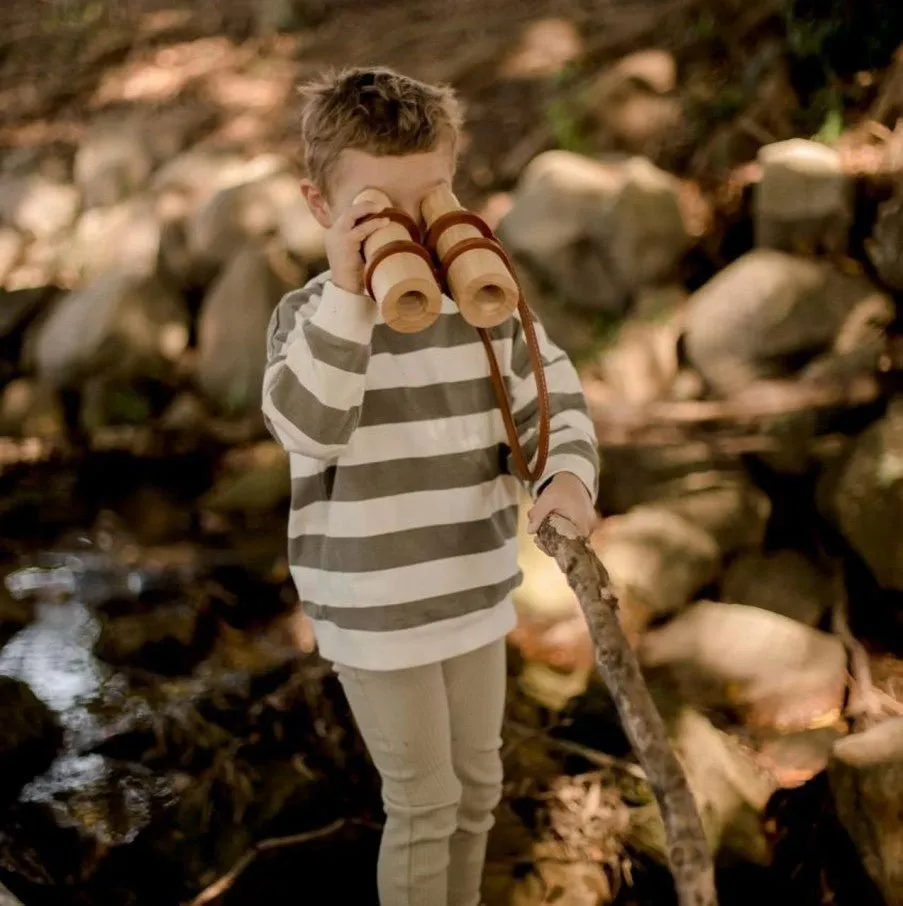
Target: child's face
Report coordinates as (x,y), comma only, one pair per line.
(407,180)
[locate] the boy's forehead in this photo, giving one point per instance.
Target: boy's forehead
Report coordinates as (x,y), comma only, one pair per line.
(399,175)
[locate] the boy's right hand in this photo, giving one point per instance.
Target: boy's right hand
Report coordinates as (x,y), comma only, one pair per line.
(344,241)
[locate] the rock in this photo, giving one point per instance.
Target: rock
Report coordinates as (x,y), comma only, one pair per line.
(31,736)
(255,480)
(43,262)
(796,758)
(12,246)
(86,806)
(641,364)
(125,238)
(633,105)
(18,308)
(251,210)
(784,582)
(884,244)
(118,325)
(119,153)
(804,199)
(167,639)
(866,779)
(770,670)
(597,231)
(113,161)
(31,409)
(299,230)
(238,306)
(730,791)
(15,614)
(37,205)
(551,632)
(636,473)
(863,495)
(195,176)
(576,330)
(767,313)
(657,556)
(733,511)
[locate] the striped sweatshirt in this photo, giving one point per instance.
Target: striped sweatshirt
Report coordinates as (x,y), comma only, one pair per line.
(402,531)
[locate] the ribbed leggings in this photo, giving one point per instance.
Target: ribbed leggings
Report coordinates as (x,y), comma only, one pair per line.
(434,734)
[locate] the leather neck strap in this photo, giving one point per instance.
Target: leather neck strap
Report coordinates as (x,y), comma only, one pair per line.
(486,240)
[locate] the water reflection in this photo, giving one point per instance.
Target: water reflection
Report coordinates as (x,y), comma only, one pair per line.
(53,655)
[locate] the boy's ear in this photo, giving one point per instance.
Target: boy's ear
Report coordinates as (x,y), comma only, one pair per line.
(317,203)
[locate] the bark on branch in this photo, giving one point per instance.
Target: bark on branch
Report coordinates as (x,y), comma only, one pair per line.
(688,852)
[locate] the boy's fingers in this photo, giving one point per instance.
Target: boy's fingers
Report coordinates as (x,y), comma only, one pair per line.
(361,209)
(363,230)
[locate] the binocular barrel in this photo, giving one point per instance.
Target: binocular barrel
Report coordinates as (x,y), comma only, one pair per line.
(400,267)
(402,282)
(479,279)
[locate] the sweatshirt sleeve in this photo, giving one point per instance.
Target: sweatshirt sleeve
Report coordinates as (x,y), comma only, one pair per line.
(318,350)
(573,445)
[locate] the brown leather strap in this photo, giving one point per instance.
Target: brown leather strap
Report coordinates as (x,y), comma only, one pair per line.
(455,218)
(488,241)
(392,248)
(466,245)
(396,215)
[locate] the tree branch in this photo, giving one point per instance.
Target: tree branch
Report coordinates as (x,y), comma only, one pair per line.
(688,852)
(221,885)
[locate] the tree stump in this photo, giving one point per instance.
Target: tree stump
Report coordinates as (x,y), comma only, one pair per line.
(688,852)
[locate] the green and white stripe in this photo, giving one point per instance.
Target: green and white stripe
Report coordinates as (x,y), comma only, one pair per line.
(402,530)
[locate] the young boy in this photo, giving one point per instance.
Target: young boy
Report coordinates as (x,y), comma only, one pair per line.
(403,523)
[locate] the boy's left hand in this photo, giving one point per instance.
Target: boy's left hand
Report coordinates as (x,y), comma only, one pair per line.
(566,495)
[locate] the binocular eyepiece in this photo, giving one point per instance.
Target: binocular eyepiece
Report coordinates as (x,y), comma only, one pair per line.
(406,272)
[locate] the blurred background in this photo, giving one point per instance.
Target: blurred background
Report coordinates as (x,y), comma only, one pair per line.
(704,199)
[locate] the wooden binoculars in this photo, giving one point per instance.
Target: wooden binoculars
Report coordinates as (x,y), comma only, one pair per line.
(406,272)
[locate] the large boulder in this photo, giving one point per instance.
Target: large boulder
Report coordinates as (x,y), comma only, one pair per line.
(657,557)
(597,230)
(866,779)
(804,199)
(769,312)
(125,237)
(634,105)
(250,210)
(863,494)
(119,325)
(772,671)
(232,329)
(31,736)
(39,205)
(118,154)
(784,581)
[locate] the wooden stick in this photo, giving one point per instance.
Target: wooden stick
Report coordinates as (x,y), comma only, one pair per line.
(221,885)
(688,851)
(479,279)
(404,286)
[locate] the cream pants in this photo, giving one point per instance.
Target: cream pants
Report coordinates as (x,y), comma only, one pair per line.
(434,734)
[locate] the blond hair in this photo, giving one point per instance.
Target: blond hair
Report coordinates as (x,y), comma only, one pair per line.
(375,110)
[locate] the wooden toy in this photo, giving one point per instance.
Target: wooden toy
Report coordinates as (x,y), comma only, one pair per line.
(399,272)
(475,266)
